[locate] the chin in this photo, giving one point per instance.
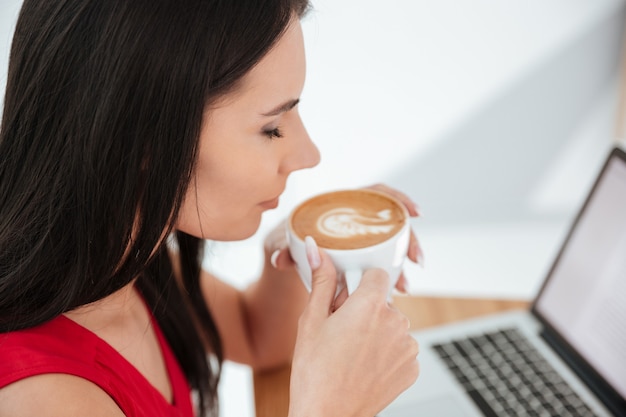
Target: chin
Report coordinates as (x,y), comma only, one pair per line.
(226,230)
(238,231)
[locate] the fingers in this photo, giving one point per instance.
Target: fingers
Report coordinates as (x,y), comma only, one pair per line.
(374,282)
(402,284)
(277,238)
(323,282)
(412,207)
(281,259)
(340,299)
(411,367)
(276,249)
(415,252)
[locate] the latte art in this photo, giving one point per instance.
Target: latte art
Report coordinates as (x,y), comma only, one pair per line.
(349,219)
(347,222)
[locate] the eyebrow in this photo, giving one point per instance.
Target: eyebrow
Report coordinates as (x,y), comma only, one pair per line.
(282,108)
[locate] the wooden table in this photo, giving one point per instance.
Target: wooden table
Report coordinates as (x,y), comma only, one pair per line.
(271,388)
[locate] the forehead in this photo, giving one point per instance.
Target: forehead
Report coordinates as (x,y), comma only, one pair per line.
(281,72)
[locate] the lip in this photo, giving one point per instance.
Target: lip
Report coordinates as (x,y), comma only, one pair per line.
(270,204)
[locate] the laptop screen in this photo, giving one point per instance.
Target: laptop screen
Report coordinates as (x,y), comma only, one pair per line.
(584,299)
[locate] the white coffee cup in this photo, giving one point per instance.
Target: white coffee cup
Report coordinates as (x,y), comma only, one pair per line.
(388,253)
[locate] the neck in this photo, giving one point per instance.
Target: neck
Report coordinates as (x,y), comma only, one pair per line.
(121,308)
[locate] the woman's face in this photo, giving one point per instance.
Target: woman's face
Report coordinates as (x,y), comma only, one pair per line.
(249,144)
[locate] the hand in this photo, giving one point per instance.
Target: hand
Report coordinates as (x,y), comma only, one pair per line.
(279,268)
(355,360)
(276,250)
(415,252)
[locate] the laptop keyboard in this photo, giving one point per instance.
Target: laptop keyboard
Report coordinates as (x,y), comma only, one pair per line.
(506,376)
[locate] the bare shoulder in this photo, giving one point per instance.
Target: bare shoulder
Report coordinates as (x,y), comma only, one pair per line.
(57,395)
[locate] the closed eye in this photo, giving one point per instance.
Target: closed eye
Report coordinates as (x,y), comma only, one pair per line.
(273,133)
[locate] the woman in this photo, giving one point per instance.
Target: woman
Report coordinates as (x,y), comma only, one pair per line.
(133,130)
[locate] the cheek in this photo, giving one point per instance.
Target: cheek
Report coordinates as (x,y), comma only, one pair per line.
(222,199)
(226,183)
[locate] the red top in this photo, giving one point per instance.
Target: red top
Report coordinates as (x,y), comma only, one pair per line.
(63,346)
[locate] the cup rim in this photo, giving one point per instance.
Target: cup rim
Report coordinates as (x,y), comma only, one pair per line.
(405,211)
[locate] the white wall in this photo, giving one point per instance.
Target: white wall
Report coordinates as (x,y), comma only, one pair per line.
(473,108)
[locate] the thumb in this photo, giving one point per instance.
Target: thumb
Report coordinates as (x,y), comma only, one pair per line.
(323,280)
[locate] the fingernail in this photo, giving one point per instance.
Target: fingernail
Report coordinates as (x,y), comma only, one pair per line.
(420,259)
(418,210)
(312,252)
(274,257)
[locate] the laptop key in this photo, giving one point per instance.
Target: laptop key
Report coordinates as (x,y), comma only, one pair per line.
(480,402)
(504,375)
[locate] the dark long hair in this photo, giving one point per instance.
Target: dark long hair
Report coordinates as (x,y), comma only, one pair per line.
(99,136)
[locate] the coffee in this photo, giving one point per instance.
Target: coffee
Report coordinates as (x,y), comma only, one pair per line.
(349,219)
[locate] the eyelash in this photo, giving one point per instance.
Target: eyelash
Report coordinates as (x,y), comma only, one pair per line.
(273,133)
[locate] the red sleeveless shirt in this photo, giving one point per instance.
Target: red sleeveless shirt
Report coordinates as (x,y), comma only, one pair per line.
(63,346)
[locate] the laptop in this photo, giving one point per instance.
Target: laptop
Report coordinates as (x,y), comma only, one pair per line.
(565,356)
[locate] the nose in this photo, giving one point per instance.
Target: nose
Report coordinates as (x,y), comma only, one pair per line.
(303,154)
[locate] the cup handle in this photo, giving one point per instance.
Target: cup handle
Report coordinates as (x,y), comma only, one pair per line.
(353,278)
